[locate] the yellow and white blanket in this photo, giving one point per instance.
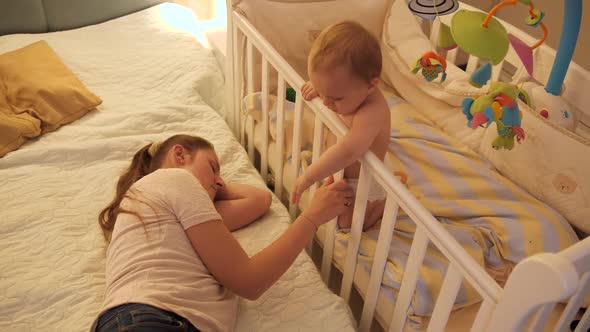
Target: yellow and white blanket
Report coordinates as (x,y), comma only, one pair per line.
(496,222)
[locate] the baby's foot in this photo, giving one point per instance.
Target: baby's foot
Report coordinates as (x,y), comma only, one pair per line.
(345,219)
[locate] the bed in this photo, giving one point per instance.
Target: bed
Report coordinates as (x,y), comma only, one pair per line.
(422,268)
(154,79)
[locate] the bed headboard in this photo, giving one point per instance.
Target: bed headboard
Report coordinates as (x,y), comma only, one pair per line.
(37,16)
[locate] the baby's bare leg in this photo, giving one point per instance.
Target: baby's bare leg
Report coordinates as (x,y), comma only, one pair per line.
(373,213)
(345,219)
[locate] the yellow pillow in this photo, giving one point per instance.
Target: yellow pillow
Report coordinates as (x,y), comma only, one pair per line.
(38,94)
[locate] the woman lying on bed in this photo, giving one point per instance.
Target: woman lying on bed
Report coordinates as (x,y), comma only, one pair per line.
(172,263)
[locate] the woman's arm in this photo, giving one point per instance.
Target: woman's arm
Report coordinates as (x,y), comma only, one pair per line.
(231,266)
(240,204)
(250,277)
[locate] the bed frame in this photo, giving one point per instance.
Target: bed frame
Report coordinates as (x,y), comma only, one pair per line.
(37,16)
(563,276)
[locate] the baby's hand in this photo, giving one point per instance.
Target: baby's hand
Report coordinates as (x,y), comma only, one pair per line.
(300,187)
(308,91)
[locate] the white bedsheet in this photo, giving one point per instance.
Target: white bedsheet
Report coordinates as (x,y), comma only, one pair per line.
(155,81)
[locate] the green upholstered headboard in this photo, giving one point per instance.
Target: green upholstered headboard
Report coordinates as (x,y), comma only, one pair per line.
(35,16)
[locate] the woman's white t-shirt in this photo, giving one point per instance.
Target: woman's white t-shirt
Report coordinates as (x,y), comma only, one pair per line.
(153,262)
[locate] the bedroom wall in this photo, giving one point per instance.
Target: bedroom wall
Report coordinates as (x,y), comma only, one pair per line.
(203,9)
(554,15)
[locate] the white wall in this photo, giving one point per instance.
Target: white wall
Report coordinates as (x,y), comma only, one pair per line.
(203,9)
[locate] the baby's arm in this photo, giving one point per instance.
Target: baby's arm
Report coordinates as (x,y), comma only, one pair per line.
(353,145)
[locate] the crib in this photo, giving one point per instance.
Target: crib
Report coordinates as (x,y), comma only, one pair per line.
(563,277)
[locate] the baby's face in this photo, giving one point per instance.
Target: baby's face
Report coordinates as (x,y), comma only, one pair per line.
(339,89)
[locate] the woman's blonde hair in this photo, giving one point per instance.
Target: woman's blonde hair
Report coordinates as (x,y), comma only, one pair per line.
(347,43)
(148,159)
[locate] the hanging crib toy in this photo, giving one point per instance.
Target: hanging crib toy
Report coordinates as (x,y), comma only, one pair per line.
(432,64)
(499,106)
(478,34)
(481,35)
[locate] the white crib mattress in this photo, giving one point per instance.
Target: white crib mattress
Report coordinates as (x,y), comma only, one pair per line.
(155,81)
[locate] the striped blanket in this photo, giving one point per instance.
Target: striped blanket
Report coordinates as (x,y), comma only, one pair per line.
(497,223)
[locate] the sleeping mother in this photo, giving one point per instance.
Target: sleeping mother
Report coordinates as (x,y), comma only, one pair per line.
(172,263)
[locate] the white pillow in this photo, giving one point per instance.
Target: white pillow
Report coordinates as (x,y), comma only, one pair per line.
(551,163)
(291,26)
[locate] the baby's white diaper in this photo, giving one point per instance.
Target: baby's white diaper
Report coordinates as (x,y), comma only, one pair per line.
(376,192)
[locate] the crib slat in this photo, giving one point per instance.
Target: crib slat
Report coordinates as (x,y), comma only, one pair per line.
(237,88)
(265,133)
(250,131)
(250,67)
(496,71)
(452,56)
(472,64)
(280,143)
(519,74)
(249,91)
(378,267)
(434,32)
(483,316)
(446,299)
(318,140)
(296,150)
(584,323)
(329,242)
(541,317)
(574,303)
(425,25)
(409,279)
(354,240)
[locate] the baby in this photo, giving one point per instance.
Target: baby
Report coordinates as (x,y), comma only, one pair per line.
(344,66)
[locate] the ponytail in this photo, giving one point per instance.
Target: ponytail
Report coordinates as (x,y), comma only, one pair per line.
(140,167)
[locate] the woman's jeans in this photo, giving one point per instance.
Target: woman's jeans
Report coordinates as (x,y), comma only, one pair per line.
(136,317)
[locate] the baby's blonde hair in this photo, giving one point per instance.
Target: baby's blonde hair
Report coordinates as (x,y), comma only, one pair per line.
(347,43)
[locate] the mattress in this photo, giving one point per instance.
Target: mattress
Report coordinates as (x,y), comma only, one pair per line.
(495,221)
(155,80)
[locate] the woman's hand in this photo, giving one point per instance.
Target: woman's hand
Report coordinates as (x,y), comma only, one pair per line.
(331,200)
(308,91)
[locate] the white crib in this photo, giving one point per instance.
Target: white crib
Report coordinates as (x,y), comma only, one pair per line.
(535,286)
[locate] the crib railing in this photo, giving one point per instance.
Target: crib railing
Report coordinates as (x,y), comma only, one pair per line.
(497,305)
(462,266)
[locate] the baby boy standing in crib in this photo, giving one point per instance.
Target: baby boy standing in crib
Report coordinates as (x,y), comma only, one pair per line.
(344,67)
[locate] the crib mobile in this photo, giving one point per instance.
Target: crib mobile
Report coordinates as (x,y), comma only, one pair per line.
(481,35)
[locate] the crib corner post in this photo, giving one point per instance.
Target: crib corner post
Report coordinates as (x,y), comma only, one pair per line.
(521,298)
(230,111)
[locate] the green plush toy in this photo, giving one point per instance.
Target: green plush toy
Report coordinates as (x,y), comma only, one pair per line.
(291,94)
(498,105)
